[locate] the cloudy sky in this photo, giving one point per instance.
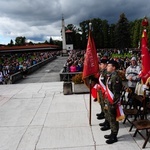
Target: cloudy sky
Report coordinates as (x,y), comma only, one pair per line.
(38,20)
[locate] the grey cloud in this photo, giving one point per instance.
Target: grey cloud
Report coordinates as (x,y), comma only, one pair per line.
(42,18)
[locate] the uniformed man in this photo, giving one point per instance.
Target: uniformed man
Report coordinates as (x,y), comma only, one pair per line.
(113,93)
(102,82)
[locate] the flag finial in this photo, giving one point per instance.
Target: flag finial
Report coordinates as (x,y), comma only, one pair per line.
(145,22)
(90,26)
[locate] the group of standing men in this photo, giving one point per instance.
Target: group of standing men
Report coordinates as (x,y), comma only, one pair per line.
(110,90)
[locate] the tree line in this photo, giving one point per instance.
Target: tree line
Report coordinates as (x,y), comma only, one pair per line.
(21,41)
(123,34)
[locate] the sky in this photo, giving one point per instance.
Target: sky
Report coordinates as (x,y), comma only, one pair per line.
(38,20)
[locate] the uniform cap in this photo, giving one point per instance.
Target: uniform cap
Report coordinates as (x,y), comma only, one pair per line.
(114,63)
(104,61)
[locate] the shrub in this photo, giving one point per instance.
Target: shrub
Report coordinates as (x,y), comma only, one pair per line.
(77,79)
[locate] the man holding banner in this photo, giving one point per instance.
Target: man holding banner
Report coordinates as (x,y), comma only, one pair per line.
(112,94)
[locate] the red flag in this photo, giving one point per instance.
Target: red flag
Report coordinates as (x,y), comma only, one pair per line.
(91,67)
(145,73)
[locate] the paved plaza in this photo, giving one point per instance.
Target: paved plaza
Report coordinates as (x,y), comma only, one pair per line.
(38,116)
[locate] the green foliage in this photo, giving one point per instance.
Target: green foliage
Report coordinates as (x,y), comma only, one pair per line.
(122,33)
(121,55)
(11,43)
(51,41)
(20,41)
(76,36)
(20,59)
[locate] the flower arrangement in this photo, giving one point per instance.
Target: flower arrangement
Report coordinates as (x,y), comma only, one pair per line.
(77,79)
(121,73)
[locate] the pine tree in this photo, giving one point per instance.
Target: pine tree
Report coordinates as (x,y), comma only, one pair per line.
(122,33)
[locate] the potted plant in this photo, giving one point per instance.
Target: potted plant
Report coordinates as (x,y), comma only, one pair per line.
(78,84)
(77,79)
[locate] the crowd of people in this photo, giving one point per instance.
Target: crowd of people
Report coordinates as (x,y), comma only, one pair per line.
(75,61)
(20,62)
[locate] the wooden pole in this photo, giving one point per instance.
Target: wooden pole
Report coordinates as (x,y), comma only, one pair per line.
(90,104)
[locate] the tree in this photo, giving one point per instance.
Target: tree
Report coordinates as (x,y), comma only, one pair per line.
(46,42)
(105,28)
(11,43)
(122,33)
(136,33)
(84,29)
(97,32)
(31,43)
(111,36)
(20,41)
(51,41)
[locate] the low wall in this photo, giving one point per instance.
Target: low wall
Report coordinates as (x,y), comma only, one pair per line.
(67,76)
(18,76)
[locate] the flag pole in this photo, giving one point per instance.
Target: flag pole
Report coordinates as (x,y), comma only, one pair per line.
(90,103)
(90,81)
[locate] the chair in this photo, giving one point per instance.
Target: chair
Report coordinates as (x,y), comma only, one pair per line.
(125,93)
(135,109)
(143,123)
(135,104)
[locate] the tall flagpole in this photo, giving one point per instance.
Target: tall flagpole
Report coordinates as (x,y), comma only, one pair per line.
(90,82)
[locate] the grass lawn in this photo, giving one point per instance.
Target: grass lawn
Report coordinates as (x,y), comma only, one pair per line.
(122,55)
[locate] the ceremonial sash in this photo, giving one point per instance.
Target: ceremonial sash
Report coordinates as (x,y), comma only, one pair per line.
(119,110)
(102,85)
(109,94)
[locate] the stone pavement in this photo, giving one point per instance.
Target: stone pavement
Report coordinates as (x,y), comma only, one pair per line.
(37,116)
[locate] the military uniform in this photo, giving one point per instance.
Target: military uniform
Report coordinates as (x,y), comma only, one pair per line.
(105,125)
(103,77)
(114,84)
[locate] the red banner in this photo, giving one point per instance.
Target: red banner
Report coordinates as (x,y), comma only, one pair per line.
(91,66)
(145,73)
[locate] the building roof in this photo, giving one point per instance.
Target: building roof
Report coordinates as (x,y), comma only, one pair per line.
(28,47)
(68,31)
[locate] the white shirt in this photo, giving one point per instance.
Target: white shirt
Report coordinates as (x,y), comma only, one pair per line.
(1,77)
(133,71)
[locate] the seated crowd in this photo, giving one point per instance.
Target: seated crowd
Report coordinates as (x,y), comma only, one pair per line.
(74,63)
(75,60)
(10,64)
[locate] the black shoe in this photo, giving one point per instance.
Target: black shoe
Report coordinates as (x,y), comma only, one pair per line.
(98,114)
(105,128)
(101,116)
(108,136)
(104,123)
(95,100)
(112,139)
